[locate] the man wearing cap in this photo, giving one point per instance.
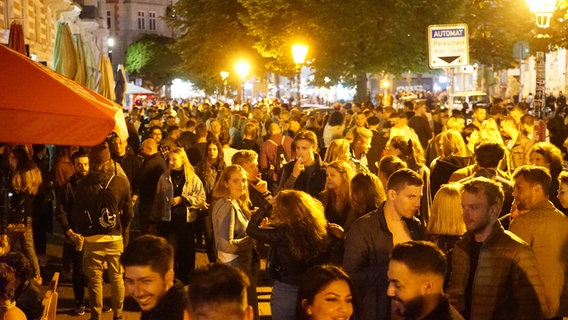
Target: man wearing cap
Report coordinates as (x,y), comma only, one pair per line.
(101,247)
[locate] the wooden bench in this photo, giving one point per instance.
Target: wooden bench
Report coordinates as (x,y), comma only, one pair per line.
(49,301)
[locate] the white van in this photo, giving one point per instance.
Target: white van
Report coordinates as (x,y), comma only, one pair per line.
(471,97)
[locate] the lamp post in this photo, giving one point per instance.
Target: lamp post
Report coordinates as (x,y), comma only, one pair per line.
(543,10)
(224,77)
(243,69)
(299,52)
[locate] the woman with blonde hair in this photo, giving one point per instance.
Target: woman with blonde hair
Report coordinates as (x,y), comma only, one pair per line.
(230,217)
(338,150)
(299,239)
(179,195)
(446,225)
(335,196)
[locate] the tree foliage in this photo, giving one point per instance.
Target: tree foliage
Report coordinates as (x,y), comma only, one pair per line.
(211,40)
(494,28)
(347,38)
(152,59)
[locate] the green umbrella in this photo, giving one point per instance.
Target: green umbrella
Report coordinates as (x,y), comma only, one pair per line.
(64,52)
(106,78)
(81,74)
(91,79)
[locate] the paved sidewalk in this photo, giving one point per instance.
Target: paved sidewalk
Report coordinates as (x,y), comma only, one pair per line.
(131,312)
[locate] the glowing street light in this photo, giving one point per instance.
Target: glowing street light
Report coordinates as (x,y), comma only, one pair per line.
(299,53)
(543,10)
(224,77)
(110,43)
(243,69)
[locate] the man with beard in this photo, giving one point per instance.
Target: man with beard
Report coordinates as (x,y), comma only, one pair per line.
(148,265)
(71,246)
(416,282)
(494,273)
(545,229)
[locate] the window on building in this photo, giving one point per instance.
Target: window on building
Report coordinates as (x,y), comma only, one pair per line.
(151,20)
(141,24)
(109,20)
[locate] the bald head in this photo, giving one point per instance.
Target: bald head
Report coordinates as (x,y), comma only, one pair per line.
(149,147)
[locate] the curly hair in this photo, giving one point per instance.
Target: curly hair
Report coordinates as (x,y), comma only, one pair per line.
(551,153)
(303,220)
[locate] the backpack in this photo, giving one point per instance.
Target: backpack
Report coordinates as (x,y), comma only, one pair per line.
(105,214)
(280,160)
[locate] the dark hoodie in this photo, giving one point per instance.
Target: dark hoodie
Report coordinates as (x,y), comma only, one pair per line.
(171,306)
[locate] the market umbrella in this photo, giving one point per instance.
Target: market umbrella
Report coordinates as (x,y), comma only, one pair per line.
(91,80)
(120,86)
(106,78)
(16,39)
(64,52)
(81,73)
(41,106)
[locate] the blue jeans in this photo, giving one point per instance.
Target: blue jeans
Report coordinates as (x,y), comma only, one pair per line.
(249,263)
(25,243)
(283,301)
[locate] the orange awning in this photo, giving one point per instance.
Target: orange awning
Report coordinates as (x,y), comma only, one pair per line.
(38,105)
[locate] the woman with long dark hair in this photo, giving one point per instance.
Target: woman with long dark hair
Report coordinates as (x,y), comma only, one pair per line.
(209,171)
(25,182)
(326,292)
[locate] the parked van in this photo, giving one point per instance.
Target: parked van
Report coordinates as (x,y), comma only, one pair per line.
(473,98)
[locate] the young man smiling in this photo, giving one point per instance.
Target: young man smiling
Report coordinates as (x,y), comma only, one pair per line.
(149,278)
(416,282)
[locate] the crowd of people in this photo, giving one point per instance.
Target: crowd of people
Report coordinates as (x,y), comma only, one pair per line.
(367,212)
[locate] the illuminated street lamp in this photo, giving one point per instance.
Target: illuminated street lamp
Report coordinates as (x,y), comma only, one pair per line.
(243,69)
(385,85)
(110,43)
(543,10)
(224,77)
(299,52)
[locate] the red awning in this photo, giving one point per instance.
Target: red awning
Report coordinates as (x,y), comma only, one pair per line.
(38,105)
